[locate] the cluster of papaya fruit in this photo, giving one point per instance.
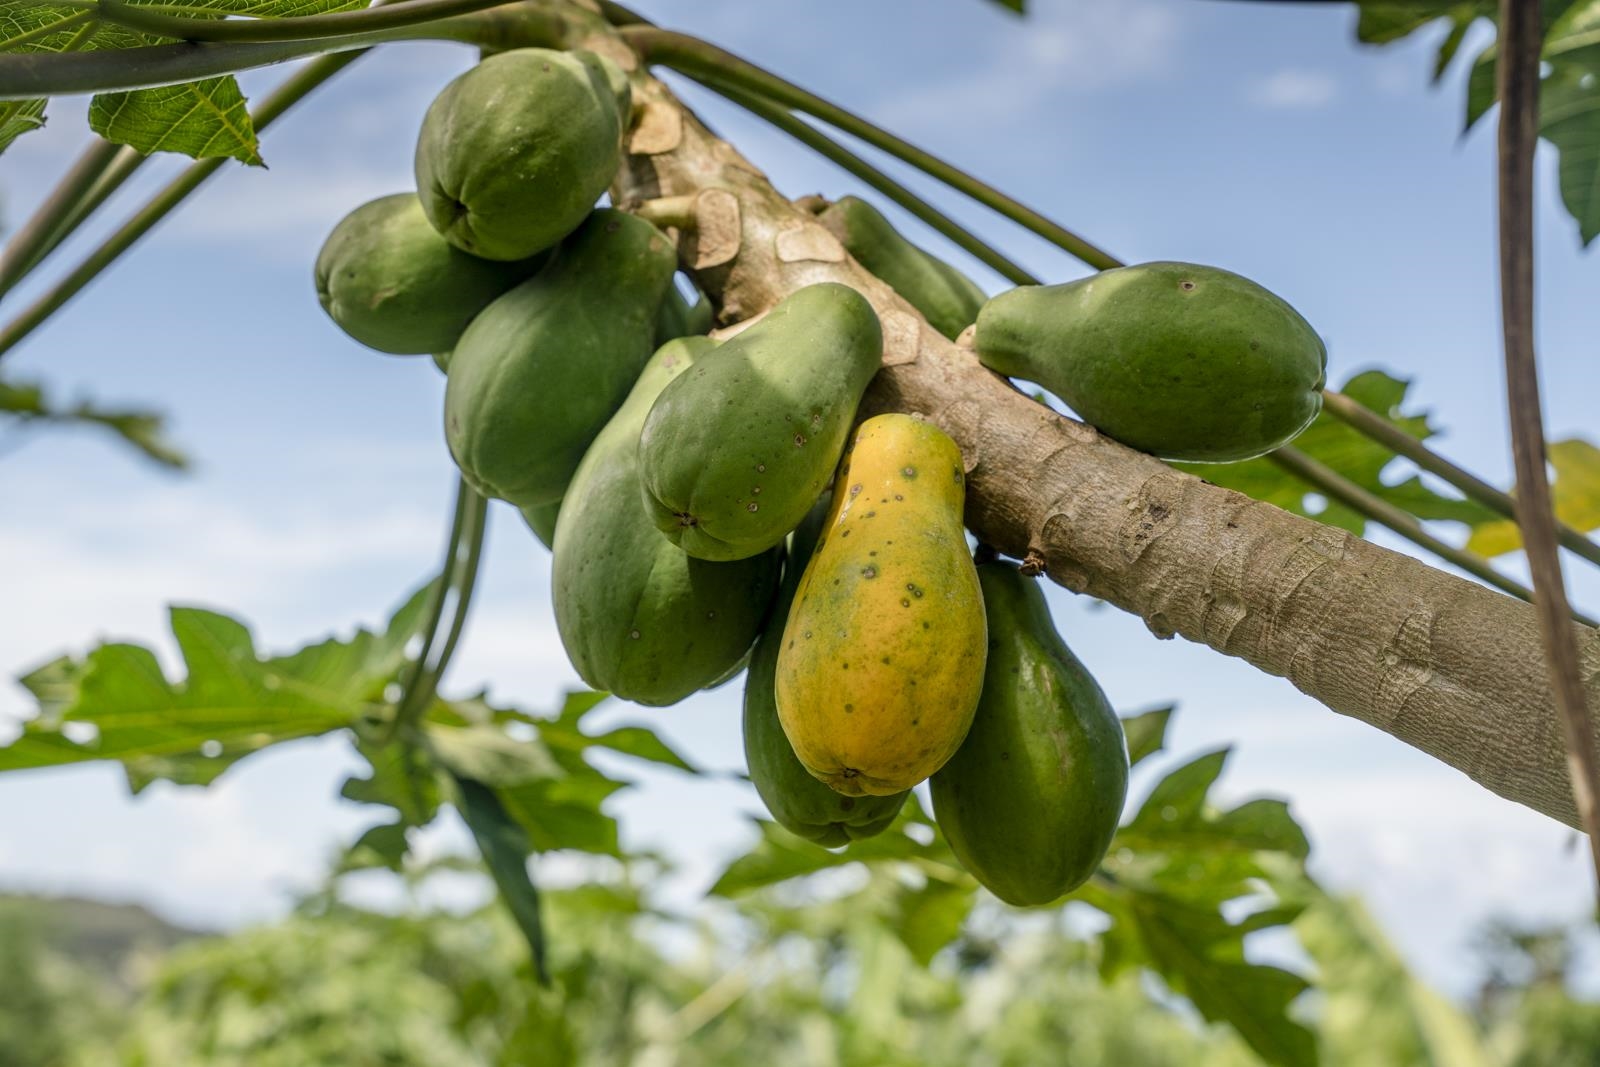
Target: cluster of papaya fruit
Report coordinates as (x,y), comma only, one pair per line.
(713,506)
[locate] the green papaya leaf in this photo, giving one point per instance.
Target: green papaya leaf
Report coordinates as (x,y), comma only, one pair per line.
(564,813)
(1200,955)
(1172,868)
(1569,118)
(1384,23)
(202,119)
(1146,733)
(1353,455)
(928,918)
(1575,491)
(402,777)
(779,855)
(27,403)
(642,743)
(490,756)
(118,704)
(383,846)
(505,848)
(566,738)
(18,117)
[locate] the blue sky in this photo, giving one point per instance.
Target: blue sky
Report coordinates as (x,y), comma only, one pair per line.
(1256,138)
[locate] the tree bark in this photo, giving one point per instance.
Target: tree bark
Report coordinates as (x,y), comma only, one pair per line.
(1439,662)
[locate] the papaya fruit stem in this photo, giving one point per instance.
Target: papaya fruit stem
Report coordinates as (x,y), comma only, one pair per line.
(678,211)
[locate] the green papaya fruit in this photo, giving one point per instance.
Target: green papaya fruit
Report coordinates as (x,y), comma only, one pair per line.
(800,802)
(541,519)
(737,449)
(514,153)
(1031,799)
(391,282)
(540,370)
(947,298)
(679,318)
(638,616)
(1182,361)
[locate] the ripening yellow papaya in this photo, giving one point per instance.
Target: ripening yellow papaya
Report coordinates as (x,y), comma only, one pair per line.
(883,650)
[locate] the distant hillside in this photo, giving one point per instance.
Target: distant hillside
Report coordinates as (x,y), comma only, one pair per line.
(100,938)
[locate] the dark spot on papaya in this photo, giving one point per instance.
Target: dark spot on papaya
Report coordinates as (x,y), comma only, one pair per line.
(761,468)
(847,803)
(791,642)
(924,626)
(854,489)
(844,533)
(874,552)
(870,514)
(799,440)
(1187,287)
(911,587)
(711,614)
(869,571)
(916,722)
(633,635)
(897,496)
(904,602)
(848,708)
(1254,345)
(807,635)
(752,506)
(957,471)
(909,472)
(1005,755)
(884,661)
(755,490)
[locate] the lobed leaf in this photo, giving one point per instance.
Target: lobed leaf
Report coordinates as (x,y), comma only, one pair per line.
(1576,492)
(118,704)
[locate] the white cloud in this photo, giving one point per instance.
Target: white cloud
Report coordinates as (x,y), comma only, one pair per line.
(1291,89)
(1082,46)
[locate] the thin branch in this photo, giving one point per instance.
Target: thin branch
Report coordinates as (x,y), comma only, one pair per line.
(1521,37)
(36,236)
(1376,428)
(410,706)
(714,68)
(469,557)
(295,28)
(28,75)
(1336,486)
(827,147)
(123,166)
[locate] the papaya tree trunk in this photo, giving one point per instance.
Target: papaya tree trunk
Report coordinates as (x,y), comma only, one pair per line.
(1439,662)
